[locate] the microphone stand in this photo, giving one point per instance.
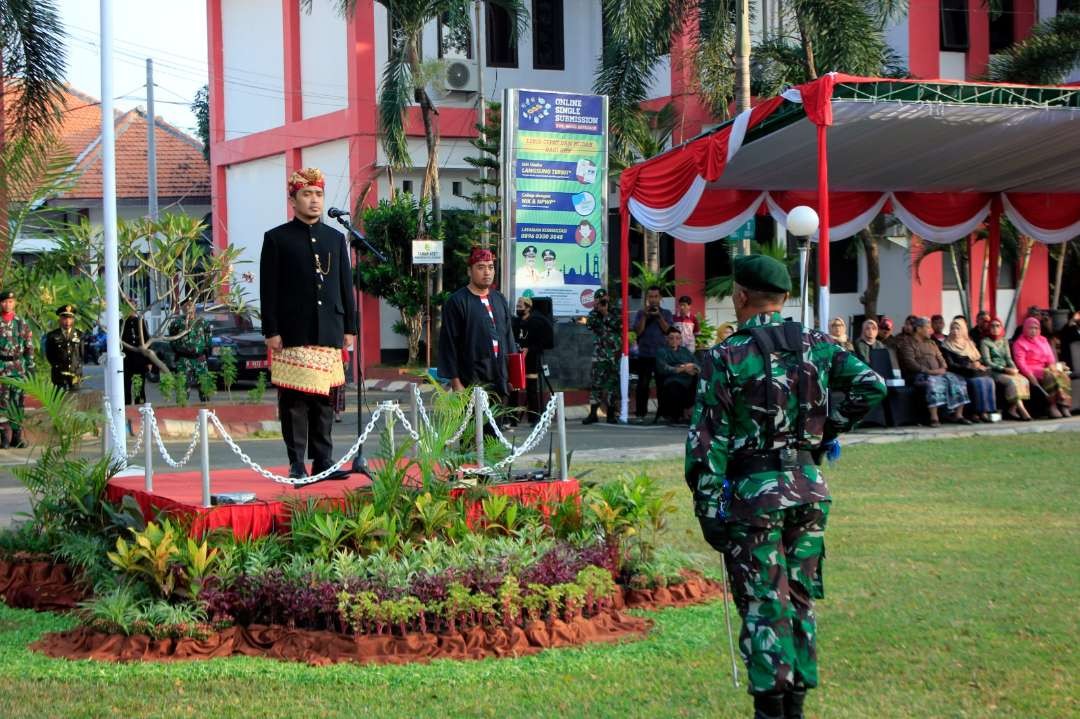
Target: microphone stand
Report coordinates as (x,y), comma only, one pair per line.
(357,241)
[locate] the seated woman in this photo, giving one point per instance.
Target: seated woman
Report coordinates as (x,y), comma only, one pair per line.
(922,364)
(838,333)
(677,370)
(1014,386)
(724,331)
(963,358)
(868,340)
(1036,360)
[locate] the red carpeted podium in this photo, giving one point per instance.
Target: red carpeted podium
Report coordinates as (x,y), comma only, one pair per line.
(181,492)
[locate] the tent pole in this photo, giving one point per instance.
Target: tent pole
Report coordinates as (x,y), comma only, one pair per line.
(624,287)
(995,253)
(823,229)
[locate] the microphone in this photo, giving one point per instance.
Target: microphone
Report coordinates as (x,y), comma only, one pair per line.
(358,241)
(334,212)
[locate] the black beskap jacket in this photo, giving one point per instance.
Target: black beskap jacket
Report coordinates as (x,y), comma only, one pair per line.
(298,303)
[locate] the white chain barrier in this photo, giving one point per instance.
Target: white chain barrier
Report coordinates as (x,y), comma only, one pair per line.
(388,410)
(425,421)
(113,434)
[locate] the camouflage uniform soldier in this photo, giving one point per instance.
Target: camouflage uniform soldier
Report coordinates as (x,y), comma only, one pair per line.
(192,348)
(604,321)
(16,362)
(63,350)
(751,462)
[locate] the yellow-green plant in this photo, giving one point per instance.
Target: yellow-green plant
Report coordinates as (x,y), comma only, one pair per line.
(155,553)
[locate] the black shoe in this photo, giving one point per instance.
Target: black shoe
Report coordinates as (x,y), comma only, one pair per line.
(768,706)
(793,704)
(297,470)
(320,467)
(5,440)
(592,418)
(612,418)
(17,440)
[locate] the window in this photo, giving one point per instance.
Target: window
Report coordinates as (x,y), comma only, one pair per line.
(501,51)
(843,266)
(455,43)
(1001,27)
(406,186)
(547,35)
(954,25)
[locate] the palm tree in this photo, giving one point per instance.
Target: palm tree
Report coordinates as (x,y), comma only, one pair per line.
(32,64)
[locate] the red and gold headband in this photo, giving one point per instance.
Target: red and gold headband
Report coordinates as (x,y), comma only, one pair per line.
(480,254)
(307,177)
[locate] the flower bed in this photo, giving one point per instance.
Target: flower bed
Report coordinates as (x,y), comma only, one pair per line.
(408,568)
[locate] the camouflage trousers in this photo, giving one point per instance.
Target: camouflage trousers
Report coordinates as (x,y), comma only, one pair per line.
(11,406)
(775,569)
(192,368)
(604,381)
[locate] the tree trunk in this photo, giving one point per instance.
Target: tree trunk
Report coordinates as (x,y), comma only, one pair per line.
(964,309)
(873,272)
(1058,274)
(742,58)
(652,250)
(6,241)
(808,45)
(1025,257)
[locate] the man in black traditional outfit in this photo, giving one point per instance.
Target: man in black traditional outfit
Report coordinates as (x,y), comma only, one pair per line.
(308,312)
(476,335)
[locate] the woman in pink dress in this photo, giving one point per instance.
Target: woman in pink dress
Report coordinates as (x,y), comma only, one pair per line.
(1035,359)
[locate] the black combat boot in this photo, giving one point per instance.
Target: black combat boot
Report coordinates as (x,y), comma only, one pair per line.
(793,704)
(17,439)
(592,418)
(612,415)
(5,436)
(768,706)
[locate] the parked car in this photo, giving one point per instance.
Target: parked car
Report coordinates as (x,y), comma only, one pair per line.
(226,330)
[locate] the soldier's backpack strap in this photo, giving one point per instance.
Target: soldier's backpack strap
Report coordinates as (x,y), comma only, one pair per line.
(785,338)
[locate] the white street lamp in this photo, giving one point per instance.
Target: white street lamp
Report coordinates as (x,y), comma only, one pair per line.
(802,222)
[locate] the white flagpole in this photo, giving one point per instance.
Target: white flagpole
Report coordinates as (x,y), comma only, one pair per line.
(114,373)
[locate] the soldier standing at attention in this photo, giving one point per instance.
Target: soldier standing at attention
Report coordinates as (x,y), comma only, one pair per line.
(761,425)
(605,323)
(63,350)
(191,346)
(16,362)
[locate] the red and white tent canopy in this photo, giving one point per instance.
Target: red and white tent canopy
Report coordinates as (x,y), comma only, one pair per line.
(943,157)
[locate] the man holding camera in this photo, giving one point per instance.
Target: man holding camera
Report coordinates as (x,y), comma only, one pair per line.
(651,325)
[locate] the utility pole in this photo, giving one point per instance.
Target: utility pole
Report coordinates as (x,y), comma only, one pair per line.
(151,146)
(742,76)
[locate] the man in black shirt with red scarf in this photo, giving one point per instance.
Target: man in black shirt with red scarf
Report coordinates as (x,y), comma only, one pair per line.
(476,335)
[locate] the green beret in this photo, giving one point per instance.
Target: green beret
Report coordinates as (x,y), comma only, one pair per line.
(761,273)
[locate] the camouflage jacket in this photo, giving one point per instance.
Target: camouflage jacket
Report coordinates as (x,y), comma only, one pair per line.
(608,331)
(730,419)
(16,348)
(196,343)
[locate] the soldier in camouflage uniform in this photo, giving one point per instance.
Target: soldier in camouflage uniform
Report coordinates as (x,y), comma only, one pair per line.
(752,459)
(192,347)
(16,362)
(604,321)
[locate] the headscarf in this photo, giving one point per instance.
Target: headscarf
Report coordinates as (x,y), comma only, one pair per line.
(1037,348)
(1000,333)
(720,330)
(307,177)
(842,338)
(480,254)
(958,341)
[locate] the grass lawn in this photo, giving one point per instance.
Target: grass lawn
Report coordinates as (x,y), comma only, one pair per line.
(952,590)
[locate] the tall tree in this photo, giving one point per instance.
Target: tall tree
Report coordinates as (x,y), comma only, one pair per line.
(32,63)
(200,107)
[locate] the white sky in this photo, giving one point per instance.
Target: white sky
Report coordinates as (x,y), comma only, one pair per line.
(172,33)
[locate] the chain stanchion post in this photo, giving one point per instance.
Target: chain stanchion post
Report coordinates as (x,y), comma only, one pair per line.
(204,439)
(389,420)
(479,405)
(560,411)
(414,416)
(148,448)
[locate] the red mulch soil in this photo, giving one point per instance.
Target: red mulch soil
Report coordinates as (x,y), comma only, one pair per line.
(45,586)
(41,585)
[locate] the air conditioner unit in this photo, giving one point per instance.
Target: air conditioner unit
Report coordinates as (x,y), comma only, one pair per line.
(461,76)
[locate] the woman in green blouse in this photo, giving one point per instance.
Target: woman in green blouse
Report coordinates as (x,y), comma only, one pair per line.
(996,356)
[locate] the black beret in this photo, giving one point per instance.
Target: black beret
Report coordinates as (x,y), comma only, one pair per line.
(7,295)
(761,273)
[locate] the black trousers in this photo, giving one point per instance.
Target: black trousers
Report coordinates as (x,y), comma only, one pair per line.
(646,372)
(306,421)
(674,398)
